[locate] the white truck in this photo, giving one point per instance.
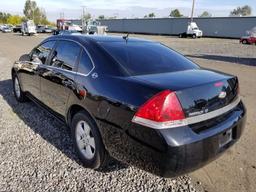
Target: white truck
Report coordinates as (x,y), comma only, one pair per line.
(192,31)
(28,28)
(94,27)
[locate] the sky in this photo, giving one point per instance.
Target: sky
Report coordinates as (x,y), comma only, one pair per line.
(127,8)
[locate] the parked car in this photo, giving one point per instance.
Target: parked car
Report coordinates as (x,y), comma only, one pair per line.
(136,100)
(44,29)
(2,27)
(250,39)
(17,29)
(48,30)
(39,29)
(6,30)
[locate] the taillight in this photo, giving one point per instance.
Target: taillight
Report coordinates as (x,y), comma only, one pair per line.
(161,111)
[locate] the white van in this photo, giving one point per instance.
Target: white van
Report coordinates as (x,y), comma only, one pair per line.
(28,28)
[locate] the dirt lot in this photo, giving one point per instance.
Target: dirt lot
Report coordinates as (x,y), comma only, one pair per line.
(35,149)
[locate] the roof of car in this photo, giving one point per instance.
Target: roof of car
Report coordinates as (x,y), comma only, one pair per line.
(99,38)
(112,38)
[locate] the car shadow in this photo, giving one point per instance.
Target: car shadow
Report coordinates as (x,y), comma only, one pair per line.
(48,127)
(235,60)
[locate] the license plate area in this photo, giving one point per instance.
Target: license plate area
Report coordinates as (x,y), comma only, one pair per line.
(225,138)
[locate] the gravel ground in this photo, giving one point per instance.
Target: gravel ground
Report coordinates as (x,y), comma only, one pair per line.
(36,153)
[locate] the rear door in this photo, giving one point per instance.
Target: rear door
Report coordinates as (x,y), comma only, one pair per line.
(58,77)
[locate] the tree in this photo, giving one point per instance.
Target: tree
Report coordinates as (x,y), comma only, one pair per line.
(101,17)
(175,13)
(4,17)
(32,11)
(242,11)
(205,14)
(14,20)
(151,15)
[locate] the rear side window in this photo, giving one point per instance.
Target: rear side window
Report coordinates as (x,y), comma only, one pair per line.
(41,53)
(65,55)
(85,63)
(141,58)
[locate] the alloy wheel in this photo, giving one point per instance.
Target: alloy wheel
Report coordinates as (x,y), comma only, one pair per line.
(85,140)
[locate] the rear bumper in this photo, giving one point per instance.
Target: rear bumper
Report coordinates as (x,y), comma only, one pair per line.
(205,148)
(172,152)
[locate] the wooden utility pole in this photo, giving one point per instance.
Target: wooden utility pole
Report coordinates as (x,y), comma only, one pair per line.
(192,12)
(83,19)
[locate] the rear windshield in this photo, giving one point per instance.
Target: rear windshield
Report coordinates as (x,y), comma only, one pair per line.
(141,58)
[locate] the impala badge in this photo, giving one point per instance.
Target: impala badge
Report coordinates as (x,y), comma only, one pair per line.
(222,94)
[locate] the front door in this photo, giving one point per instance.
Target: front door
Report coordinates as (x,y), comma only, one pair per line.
(31,69)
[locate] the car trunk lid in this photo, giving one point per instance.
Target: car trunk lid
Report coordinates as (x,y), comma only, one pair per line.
(199,91)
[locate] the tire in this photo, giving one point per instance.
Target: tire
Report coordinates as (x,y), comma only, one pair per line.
(18,93)
(180,35)
(194,36)
(87,141)
(244,41)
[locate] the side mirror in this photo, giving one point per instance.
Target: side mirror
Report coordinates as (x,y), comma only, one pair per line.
(34,57)
(35,60)
(24,57)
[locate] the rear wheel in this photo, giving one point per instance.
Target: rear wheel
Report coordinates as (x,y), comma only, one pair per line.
(18,93)
(87,141)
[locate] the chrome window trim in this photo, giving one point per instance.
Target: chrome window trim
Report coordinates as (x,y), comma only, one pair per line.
(86,75)
(186,121)
(65,70)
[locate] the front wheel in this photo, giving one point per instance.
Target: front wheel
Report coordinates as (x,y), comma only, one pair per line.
(87,141)
(18,93)
(194,36)
(244,41)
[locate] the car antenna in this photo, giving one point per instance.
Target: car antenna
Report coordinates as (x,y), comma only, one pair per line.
(126,37)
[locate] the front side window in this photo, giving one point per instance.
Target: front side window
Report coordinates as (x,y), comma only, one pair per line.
(85,63)
(41,53)
(65,55)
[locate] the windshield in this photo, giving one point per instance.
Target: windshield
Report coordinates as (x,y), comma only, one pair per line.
(140,58)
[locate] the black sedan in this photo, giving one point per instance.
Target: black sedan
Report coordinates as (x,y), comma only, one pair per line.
(135,100)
